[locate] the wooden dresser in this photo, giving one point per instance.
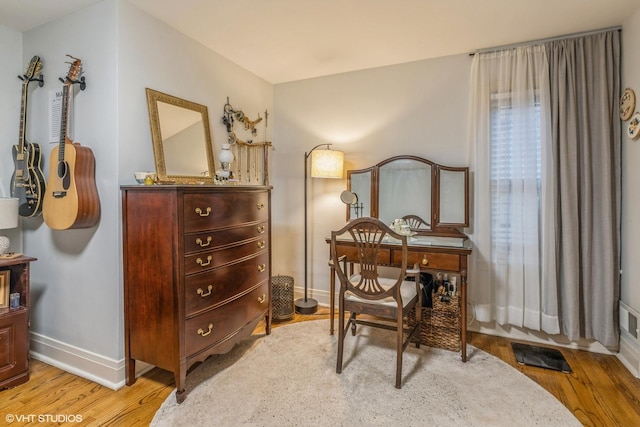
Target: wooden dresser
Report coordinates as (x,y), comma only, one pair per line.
(197,266)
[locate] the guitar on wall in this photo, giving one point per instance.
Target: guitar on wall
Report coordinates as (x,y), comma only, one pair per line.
(27,181)
(71,199)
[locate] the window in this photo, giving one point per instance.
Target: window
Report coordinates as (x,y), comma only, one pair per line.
(515,174)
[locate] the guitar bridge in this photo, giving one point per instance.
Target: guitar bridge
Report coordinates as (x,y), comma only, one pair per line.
(59,194)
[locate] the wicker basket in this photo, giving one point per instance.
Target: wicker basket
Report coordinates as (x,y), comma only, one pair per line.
(282,303)
(440,324)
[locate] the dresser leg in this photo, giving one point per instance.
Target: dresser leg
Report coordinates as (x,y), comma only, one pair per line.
(268,323)
(181,393)
(130,371)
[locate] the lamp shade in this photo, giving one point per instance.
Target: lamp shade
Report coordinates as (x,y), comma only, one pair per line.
(327,163)
(8,213)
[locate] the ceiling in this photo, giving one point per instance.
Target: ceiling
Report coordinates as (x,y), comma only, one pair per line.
(286,40)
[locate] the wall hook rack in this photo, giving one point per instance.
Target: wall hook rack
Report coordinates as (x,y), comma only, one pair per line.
(81,82)
(39,79)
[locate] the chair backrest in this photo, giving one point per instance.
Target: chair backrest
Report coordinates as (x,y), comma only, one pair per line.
(368,234)
(415,222)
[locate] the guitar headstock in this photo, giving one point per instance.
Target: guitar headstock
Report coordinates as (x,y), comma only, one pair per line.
(74,70)
(34,68)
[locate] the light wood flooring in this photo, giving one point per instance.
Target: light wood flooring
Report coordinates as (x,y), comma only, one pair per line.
(599,391)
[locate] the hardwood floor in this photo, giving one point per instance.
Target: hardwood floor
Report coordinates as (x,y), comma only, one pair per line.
(599,391)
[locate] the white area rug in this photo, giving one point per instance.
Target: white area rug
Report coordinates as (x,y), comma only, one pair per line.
(288,379)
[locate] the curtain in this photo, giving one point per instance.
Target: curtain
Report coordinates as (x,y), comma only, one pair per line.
(513,275)
(585,80)
(547,255)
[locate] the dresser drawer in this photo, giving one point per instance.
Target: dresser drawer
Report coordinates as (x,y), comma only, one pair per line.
(207,260)
(14,343)
(430,260)
(204,211)
(212,326)
(217,286)
(213,239)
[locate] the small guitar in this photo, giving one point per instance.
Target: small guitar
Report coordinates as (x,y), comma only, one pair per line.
(71,199)
(27,181)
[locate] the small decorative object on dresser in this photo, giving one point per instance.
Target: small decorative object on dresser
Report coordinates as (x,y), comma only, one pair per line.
(14,322)
(197,263)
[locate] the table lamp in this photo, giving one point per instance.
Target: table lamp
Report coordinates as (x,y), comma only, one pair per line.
(324,164)
(8,219)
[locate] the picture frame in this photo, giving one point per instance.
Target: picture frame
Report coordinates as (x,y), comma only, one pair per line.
(5,285)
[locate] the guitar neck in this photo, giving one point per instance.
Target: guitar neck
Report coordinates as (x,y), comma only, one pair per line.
(64,118)
(23,117)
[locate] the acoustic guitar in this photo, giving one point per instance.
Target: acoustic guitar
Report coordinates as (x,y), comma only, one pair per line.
(71,199)
(27,181)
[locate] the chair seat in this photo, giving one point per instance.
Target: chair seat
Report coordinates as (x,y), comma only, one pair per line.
(407,291)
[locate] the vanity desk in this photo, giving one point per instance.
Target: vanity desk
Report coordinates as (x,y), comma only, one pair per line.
(434,200)
(430,255)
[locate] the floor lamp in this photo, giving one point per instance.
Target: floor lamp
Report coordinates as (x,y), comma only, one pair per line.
(324,164)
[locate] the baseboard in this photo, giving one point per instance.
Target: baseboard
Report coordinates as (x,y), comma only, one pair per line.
(629,354)
(93,367)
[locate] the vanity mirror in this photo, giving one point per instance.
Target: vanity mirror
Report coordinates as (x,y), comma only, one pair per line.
(435,196)
(181,139)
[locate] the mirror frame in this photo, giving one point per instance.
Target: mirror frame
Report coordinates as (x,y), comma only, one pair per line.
(153,97)
(438,220)
(438,228)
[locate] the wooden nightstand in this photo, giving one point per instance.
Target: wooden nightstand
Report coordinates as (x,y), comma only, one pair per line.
(14,322)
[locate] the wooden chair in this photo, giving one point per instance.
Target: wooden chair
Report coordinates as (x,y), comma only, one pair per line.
(416,223)
(366,292)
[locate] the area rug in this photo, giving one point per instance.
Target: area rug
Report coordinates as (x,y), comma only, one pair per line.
(288,378)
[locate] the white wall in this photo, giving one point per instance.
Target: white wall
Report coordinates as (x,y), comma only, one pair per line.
(630,286)
(152,54)
(11,88)
(76,311)
(77,307)
(419,108)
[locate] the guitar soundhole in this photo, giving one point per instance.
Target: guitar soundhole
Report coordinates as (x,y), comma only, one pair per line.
(63,174)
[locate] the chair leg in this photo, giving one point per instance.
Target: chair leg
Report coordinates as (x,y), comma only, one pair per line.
(340,337)
(418,309)
(399,345)
(353,323)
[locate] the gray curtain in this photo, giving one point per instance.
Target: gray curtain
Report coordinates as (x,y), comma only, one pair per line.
(585,90)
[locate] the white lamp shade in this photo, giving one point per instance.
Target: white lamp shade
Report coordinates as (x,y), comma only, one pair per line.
(327,163)
(225,156)
(8,213)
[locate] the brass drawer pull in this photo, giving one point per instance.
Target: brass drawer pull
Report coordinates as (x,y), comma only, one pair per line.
(202,263)
(203,244)
(262,299)
(203,333)
(424,261)
(201,292)
(261,229)
(262,267)
(261,244)
(201,213)
(260,206)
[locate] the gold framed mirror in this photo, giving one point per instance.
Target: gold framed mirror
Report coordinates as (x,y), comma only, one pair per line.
(181,138)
